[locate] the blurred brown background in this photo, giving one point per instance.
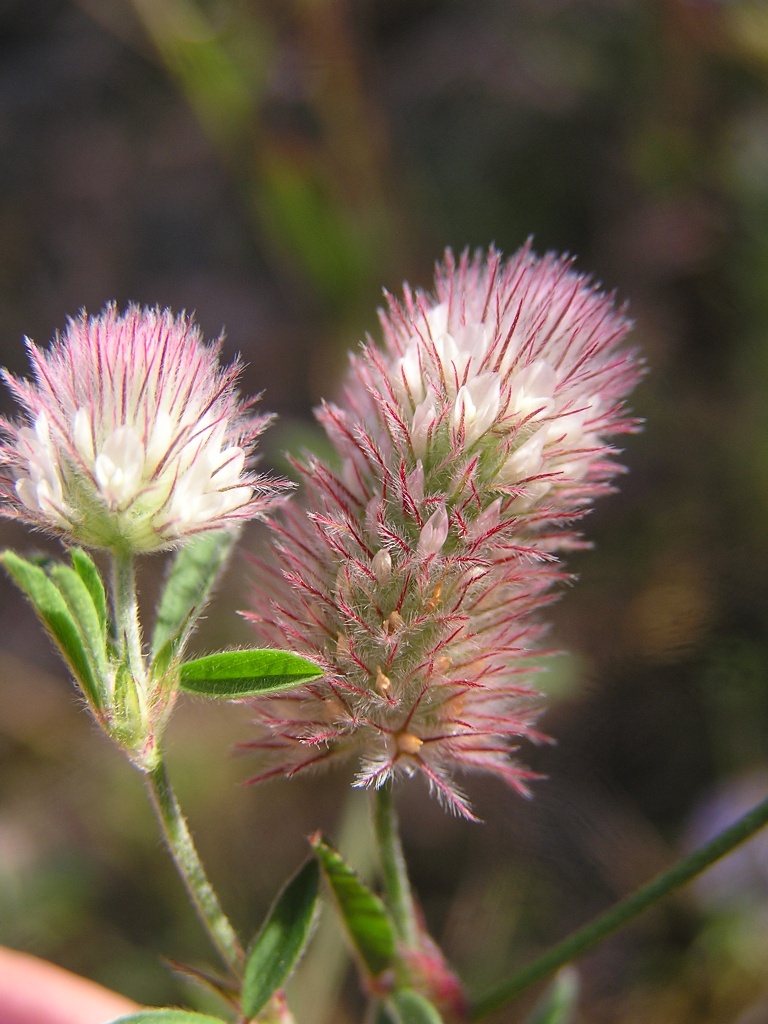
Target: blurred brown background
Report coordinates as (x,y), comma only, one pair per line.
(271,164)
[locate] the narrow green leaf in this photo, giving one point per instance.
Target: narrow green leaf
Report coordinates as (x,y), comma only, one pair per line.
(410,1007)
(80,603)
(53,612)
(167,1017)
(558,1004)
(193,575)
(91,577)
(282,939)
(232,674)
(365,917)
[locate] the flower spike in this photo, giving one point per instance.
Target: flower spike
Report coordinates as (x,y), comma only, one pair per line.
(467,450)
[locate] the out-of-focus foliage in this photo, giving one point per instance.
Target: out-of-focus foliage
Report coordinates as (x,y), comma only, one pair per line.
(272,164)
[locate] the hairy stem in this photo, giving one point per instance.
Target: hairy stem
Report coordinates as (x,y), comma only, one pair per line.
(397,888)
(595,931)
(190,867)
(126,609)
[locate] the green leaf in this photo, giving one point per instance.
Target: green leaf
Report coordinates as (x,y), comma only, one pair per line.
(282,939)
(80,603)
(232,674)
(193,575)
(365,918)
(558,1004)
(167,1017)
(53,612)
(410,1007)
(86,569)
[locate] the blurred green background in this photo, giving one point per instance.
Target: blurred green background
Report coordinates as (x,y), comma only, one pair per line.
(271,164)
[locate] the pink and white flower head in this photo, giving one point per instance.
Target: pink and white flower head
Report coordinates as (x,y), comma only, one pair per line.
(132,437)
(467,448)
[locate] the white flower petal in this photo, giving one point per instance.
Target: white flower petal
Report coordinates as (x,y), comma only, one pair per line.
(527,460)
(424,417)
(118,466)
(532,390)
(27,491)
(82,433)
(408,378)
(381,564)
(434,533)
(477,406)
(158,441)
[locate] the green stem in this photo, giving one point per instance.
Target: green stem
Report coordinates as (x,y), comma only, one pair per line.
(126,609)
(397,887)
(595,931)
(190,867)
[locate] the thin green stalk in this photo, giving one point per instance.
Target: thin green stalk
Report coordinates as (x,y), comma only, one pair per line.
(190,867)
(126,609)
(595,931)
(397,888)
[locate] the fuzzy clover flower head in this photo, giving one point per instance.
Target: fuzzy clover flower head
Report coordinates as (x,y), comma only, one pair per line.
(467,448)
(132,436)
